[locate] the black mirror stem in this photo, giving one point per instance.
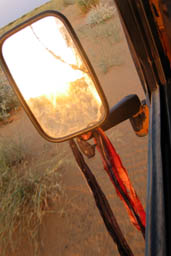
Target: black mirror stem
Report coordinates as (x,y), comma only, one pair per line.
(123,110)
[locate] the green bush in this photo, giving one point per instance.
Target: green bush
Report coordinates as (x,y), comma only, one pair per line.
(86,5)
(100,13)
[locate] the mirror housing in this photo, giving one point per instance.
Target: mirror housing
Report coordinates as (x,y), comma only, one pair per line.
(61,96)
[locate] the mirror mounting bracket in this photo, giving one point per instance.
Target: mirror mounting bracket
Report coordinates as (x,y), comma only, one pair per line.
(123,110)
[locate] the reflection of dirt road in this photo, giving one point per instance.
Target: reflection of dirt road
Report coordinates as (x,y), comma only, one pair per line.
(75,228)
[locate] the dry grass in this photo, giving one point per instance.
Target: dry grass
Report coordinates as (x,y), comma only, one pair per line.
(26,195)
(68,2)
(100,13)
(86,5)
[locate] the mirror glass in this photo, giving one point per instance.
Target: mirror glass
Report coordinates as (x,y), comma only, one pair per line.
(52,77)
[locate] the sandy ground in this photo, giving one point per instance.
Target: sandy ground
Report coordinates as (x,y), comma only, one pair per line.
(75,228)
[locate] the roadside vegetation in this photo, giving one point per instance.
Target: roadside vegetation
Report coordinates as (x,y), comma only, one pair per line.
(100,13)
(26,195)
(86,5)
(8,100)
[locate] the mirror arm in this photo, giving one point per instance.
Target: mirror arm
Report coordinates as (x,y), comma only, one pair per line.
(123,110)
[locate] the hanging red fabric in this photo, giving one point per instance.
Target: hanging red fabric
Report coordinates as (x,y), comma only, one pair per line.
(122,178)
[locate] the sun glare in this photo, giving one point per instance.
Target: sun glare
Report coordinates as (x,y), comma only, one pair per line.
(53,80)
(32,55)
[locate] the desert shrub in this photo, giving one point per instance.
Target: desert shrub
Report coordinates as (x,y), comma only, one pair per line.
(67,2)
(26,195)
(8,101)
(12,152)
(100,13)
(86,5)
(109,2)
(56,4)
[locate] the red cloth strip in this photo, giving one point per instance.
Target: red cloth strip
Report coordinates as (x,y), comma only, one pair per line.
(122,177)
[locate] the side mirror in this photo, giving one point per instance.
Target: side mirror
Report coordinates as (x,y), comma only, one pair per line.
(52,77)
